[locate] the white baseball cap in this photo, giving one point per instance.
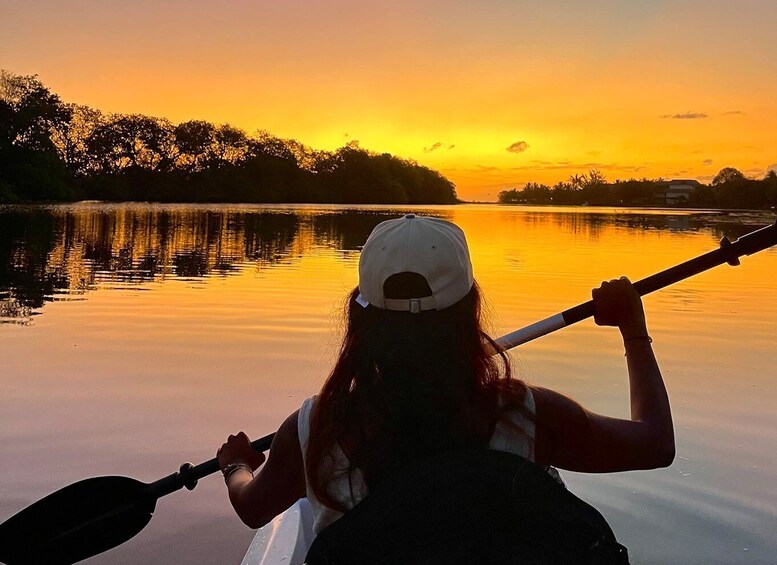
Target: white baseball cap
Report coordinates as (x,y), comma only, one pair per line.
(430,247)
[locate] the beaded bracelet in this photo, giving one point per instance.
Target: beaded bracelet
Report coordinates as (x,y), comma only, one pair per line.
(232,467)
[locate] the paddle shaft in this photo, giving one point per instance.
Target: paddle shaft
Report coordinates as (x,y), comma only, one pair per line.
(727,253)
(188,476)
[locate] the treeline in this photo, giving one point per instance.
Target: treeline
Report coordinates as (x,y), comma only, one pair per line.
(56,151)
(730,188)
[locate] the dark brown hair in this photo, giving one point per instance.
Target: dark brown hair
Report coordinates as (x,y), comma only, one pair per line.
(405,386)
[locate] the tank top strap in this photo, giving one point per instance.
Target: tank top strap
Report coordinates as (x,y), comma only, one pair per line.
(347,487)
(515,430)
(303,424)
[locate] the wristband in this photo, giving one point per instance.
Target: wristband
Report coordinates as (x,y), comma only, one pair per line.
(636,337)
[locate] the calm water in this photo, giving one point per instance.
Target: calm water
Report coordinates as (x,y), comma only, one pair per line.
(136,337)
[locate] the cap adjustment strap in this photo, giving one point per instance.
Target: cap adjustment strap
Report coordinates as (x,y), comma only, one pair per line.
(412,305)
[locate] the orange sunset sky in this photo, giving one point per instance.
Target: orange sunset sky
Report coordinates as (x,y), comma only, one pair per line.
(493,94)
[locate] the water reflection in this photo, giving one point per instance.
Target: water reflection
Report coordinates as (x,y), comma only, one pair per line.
(194,322)
(60,253)
(590,225)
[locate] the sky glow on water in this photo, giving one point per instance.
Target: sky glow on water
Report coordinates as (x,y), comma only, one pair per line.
(143,335)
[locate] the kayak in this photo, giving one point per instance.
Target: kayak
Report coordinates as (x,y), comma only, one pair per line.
(285,540)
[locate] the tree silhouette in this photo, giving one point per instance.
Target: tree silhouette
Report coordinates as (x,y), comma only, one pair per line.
(29,164)
(728,175)
(50,150)
(730,189)
(594,177)
(30,111)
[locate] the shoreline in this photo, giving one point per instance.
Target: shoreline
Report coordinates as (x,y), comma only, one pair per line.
(582,207)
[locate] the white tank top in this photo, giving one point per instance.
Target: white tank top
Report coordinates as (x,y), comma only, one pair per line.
(514,433)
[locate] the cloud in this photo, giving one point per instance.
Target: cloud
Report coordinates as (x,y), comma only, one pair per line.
(518,147)
(707,162)
(536,165)
(548,164)
(733,113)
(686,116)
(772,167)
(438,145)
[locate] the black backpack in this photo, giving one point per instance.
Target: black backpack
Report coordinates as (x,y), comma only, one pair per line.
(469,507)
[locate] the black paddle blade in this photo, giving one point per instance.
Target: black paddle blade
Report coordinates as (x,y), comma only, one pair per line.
(76,522)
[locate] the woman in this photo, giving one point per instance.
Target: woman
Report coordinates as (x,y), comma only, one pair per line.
(417,375)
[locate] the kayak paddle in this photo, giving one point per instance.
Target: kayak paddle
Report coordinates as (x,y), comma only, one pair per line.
(94,515)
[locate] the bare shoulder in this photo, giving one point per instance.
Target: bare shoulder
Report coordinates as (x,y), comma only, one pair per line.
(288,429)
(551,402)
(285,464)
(561,426)
(570,437)
(285,448)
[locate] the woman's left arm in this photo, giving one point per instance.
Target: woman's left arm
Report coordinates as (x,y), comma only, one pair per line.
(570,437)
(280,482)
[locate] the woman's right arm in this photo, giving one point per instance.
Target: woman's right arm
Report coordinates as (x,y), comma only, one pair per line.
(571,437)
(277,485)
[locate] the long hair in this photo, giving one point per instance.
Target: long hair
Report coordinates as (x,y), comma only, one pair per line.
(406,385)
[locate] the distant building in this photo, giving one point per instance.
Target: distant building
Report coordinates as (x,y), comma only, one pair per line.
(674,192)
